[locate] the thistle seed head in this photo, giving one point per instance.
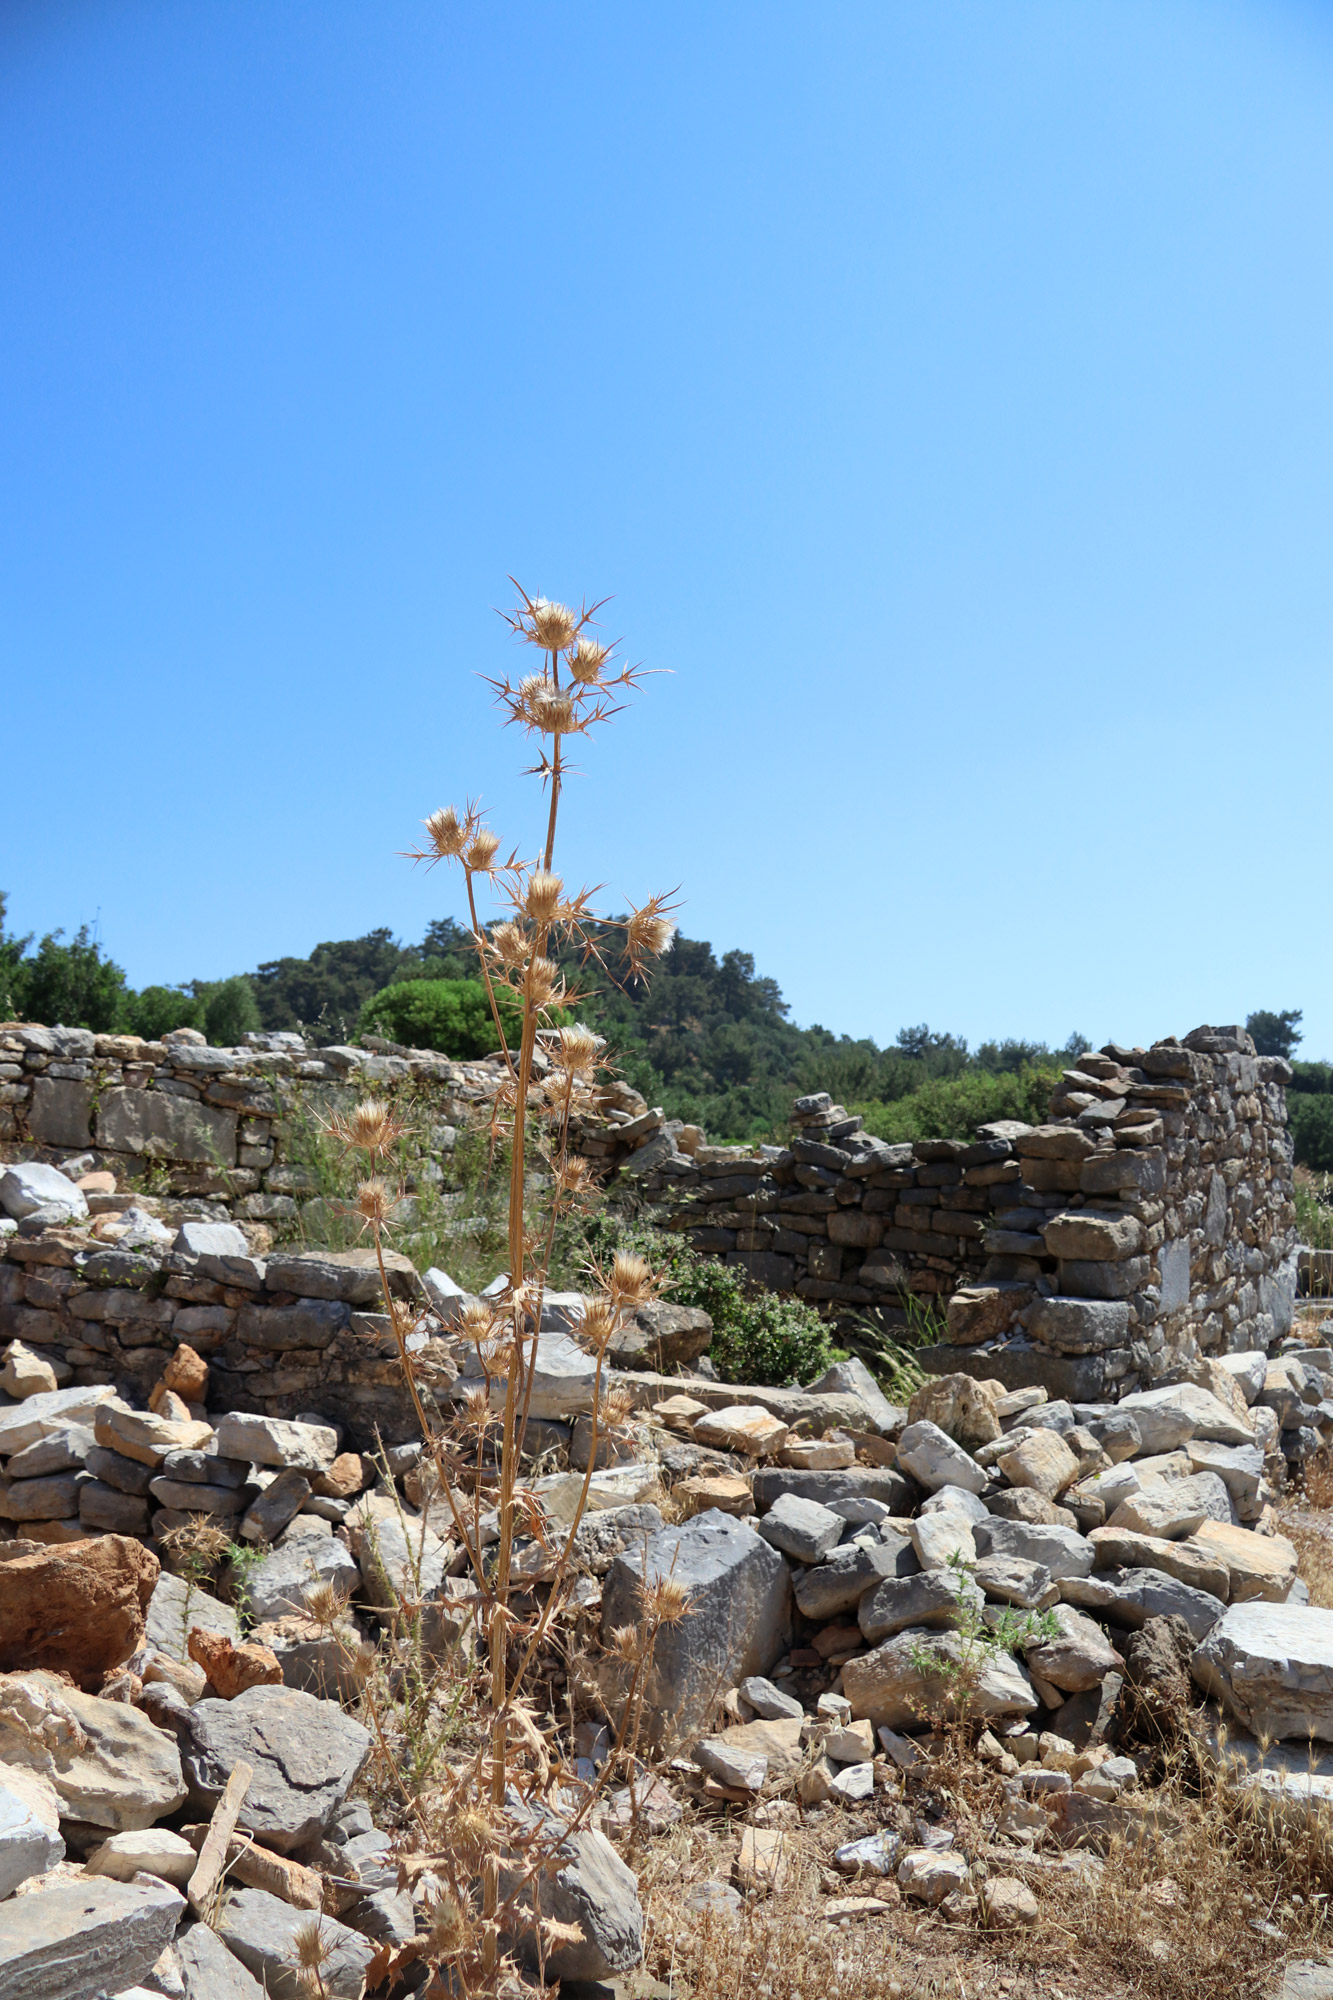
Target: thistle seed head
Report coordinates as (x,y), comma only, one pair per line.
(631,1281)
(587,660)
(479,855)
(577,1050)
(648,931)
(374,1202)
(447,833)
(369,1127)
(509,944)
(542,896)
(549,625)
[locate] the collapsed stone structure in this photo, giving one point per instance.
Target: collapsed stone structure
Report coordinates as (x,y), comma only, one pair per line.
(1148,1221)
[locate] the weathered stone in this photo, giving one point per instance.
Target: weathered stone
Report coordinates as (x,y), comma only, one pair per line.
(943,1540)
(1015,1580)
(25,1374)
(44,1416)
(739,1590)
(1080,1326)
(210,1971)
(1166,1507)
(79,1609)
(28,1845)
(141,1435)
(178,1608)
(1080,1658)
(1271,1665)
(929,1874)
(1041,1460)
(283,1583)
(768,1702)
(27,1186)
(154,1125)
(562,1380)
(76,1940)
(801,1528)
(53,1499)
(63,1451)
(1199,1415)
(1131,1597)
(862,1482)
(748,1429)
(261,1932)
(839,1585)
(306,1755)
(311,1323)
(979,1312)
(156,1850)
(893,1686)
(1062,1551)
(731,1763)
(1259,1566)
(1191,1561)
(961,1406)
(852,1377)
(662,1336)
(279,1503)
(933,1459)
(107,1762)
(934,1598)
(230,1668)
(1096,1234)
(591,1889)
(277,1441)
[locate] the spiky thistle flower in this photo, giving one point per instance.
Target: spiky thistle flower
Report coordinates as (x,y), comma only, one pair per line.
(312,1949)
(448,834)
(369,1127)
(374,1202)
(479,855)
(666,1600)
(599,1323)
(509,944)
(648,931)
(542,983)
(577,1050)
(631,1281)
(587,660)
(541,896)
(626,1642)
(550,625)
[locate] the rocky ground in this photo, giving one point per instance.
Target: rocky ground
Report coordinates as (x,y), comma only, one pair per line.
(990,1695)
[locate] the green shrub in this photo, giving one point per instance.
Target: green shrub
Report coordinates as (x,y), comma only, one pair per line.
(757,1337)
(952,1107)
(158,1009)
(451,1015)
(1312,1129)
(70,985)
(229,1010)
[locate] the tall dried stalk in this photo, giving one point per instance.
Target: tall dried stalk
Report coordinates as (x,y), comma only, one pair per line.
(550,1076)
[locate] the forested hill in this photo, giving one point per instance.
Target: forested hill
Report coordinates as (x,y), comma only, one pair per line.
(708,1038)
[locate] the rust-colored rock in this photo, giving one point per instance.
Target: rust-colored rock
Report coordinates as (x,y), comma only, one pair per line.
(232,1669)
(76,1608)
(164,1402)
(187,1375)
(346,1476)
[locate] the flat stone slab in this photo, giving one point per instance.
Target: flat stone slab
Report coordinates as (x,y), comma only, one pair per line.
(261,1932)
(740,1592)
(212,1972)
(306,1755)
(176,1608)
(76,1940)
(1271,1666)
(108,1763)
(27,1847)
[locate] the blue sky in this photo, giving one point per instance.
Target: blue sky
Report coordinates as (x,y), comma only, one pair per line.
(943,392)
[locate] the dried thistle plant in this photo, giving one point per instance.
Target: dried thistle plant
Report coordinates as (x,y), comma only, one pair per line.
(550,1073)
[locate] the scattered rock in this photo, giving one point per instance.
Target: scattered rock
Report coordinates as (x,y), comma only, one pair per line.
(28,1845)
(306,1755)
(918,1672)
(261,1931)
(230,1668)
(79,1609)
(1271,1665)
(106,1761)
(155,1850)
(79,1939)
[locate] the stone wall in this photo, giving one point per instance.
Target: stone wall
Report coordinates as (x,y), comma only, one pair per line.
(1150,1220)
(226,1125)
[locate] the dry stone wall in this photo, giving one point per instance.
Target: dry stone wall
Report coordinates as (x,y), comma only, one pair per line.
(1149,1221)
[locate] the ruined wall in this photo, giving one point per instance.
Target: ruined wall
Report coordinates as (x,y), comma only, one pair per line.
(226,1125)
(1152,1221)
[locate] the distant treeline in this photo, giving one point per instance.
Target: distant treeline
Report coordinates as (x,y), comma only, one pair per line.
(707,1038)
